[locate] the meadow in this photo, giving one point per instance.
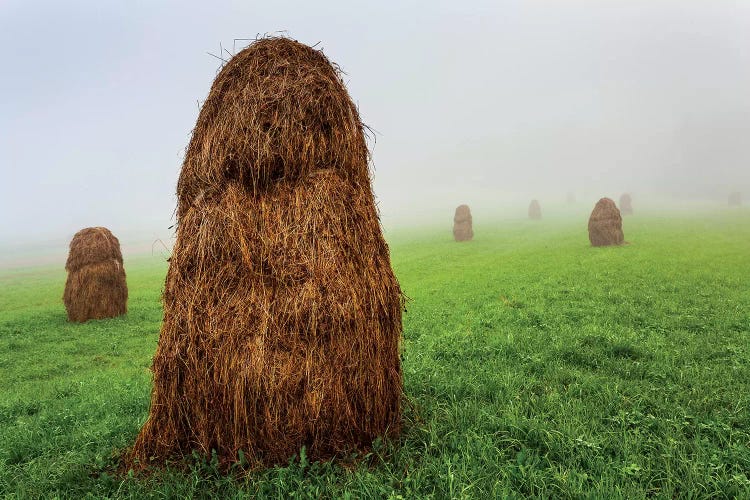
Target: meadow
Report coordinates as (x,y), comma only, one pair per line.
(534,364)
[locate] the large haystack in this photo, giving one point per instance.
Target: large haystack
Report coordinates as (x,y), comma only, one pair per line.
(462,228)
(626,204)
(605,224)
(735,199)
(282,315)
(96,287)
(535,210)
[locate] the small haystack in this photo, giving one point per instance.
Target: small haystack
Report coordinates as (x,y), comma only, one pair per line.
(735,199)
(282,315)
(605,224)
(96,287)
(462,228)
(535,210)
(626,204)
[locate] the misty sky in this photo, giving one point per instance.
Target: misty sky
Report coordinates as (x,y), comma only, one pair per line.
(470,100)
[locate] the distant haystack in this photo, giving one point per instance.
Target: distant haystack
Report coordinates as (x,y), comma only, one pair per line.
(735,199)
(96,286)
(605,224)
(462,227)
(626,204)
(535,210)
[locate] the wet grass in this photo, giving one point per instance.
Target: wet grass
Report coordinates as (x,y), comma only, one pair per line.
(537,366)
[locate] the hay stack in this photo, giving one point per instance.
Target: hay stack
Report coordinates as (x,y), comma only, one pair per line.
(282,315)
(605,224)
(626,204)
(535,210)
(735,199)
(462,229)
(96,287)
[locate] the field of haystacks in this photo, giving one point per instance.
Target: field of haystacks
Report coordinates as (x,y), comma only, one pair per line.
(534,365)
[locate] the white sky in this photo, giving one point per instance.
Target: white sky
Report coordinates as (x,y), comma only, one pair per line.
(504,100)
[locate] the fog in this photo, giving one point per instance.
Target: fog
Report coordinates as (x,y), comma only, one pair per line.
(487,103)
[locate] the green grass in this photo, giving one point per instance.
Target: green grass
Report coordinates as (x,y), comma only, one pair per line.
(536,365)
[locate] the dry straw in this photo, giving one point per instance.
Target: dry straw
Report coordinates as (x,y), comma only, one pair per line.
(462,228)
(535,210)
(735,199)
(96,286)
(282,315)
(605,224)
(626,204)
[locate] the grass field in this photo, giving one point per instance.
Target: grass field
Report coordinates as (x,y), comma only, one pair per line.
(536,365)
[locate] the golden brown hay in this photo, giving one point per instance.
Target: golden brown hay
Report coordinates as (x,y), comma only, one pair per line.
(535,210)
(626,204)
(282,315)
(605,224)
(96,286)
(462,228)
(735,199)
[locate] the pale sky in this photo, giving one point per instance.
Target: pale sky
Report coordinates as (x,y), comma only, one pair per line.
(506,100)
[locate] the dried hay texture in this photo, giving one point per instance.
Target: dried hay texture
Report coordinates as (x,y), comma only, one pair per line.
(535,210)
(462,228)
(735,199)
(282,315)
(626,204)
(605,224)
(96,286)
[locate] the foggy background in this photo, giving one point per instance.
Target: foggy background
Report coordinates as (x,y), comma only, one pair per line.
(487,103)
